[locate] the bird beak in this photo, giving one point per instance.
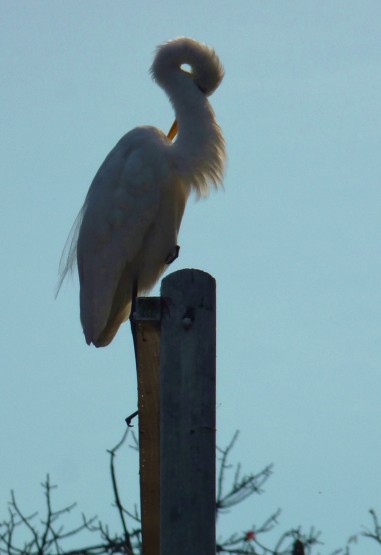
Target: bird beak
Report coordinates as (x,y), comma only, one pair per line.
(173,131)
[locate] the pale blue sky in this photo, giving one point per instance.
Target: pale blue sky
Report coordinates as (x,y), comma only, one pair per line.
(294,243)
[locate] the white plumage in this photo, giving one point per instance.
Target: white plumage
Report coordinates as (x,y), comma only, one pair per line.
(127,228)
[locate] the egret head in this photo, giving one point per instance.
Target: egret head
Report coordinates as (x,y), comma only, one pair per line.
(204,65)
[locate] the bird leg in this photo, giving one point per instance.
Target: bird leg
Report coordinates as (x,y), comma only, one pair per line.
(133,321)
(134,338)
(172,255)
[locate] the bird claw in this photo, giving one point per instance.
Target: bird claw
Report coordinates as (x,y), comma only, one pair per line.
(172,255)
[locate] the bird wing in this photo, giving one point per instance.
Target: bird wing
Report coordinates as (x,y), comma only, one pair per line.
(120,207)
(69,254)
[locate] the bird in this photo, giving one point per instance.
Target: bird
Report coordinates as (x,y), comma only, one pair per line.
(125,234)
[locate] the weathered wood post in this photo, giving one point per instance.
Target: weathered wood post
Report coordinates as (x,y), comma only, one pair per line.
(176,355)
(187,414)
(148,315)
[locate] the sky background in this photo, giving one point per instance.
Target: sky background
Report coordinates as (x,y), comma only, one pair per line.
(294,243)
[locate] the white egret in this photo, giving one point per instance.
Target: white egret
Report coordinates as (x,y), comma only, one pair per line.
(126,231)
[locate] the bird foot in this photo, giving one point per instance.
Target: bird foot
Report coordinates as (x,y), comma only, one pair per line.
(173,255)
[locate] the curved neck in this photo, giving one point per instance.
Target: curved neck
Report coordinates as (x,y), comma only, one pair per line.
(194,116)
(198,152)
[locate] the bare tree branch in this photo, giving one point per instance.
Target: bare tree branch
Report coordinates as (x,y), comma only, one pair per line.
(48,535)
(241,487)
(118,503)
(375,534)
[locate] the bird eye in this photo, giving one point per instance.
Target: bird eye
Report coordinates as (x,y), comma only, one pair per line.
(186,67)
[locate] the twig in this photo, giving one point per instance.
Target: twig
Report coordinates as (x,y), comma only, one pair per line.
(375,534)
(118,503)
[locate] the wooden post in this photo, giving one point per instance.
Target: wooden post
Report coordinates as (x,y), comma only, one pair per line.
(177,415)
(187,414)
(148,313)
